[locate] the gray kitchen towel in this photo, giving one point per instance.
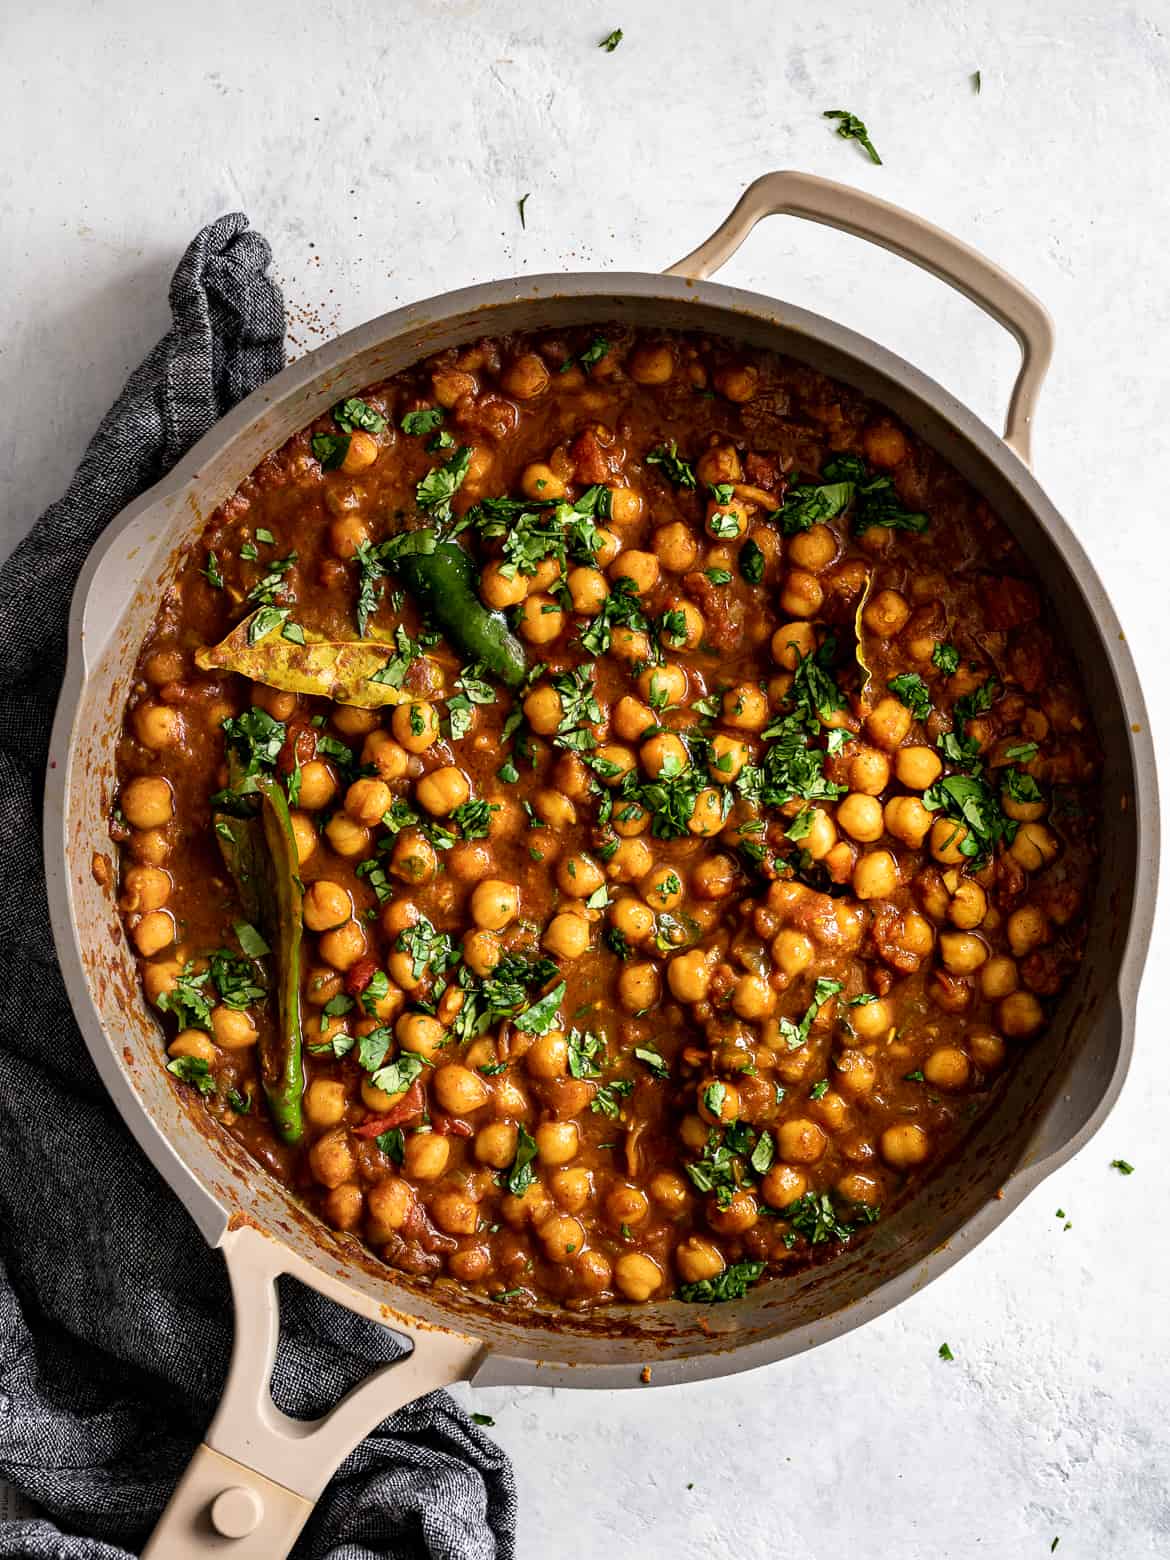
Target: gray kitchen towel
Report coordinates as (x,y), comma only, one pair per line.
(115,1318)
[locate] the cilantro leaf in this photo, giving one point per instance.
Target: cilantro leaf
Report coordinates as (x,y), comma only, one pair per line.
(354,413)
(909,689)
(850,128)
(675,468)
(732,1284)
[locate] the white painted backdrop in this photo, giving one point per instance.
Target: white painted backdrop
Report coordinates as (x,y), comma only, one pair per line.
(382,148)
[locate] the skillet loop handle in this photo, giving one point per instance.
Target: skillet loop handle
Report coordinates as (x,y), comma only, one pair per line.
(865,216)
(251,1486)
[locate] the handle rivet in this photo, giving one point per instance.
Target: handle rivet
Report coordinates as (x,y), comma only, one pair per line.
(236,1512)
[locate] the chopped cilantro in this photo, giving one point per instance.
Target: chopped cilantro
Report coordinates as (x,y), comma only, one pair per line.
(354,413)
(732,1284)
(850,128)
(676,469)
(909,689)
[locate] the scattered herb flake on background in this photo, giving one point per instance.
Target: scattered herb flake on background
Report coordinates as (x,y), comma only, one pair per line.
(520,205)
(1121,1164)
(610,44)
(944,1352)
(852,129)
(977,85)
(482,1419)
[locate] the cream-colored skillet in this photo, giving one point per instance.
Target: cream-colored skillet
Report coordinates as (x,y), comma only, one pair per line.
(251,1485)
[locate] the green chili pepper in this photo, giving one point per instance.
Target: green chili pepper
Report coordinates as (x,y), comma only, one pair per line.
(443,581)
(260,853)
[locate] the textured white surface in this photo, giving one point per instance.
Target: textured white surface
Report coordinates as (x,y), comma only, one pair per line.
(382,148)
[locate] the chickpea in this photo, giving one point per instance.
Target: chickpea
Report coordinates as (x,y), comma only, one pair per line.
(662,888)
(556,1142)
(415,725)
(325,1101)
(917,768)
(650,363)
(630,819)
(689,976)
(872,1020)
(413,859)
(566,936)
(1020,1015)
(875,874)
(498,589)
(907,820)
(693,626)
(641,569)
(886,613)
(740,1214)
(633,919)
(548,1055)
(753,998)
(947,1068)
(745,708)
(792,951)
(164,666)
(888,723)
(541,481)
(814,549)
(420,1034)
(632,718)
(148,802)
(425,1158)
(540,620)
(968,905)
(388,757)
(555,810)
(627,1205)
(987,1049)
(144,889)
(861,817)
(579,875)
(441,791)
(571,1188)
(904,1144)
(962,953)
(495,904)
(719,464)
(193,1043)
(331,1159)
(800,1141)
(636,1275)
(855,1074)
(343,946)
(495,1144)
(614,762)
(697,1259)
(390,1202)
(946,841)
(347,838)
(727,522)
(562,1236)
(783,1185)
(737,381)
(154,932)
(707,817)
(1034,847)
(343,1205)
(669,1190)
(149,846)
(884,445)
(998,978)
(801,594)
(158,726)
(663,685)
(630,645)
(793,643)
(525,377)
(675,547)
(318,786)
(458,1089)
(606,543)
(587,590)
(625,508)
(639,987)
(454,1212)
(869,771)
(714,877)
(325,906)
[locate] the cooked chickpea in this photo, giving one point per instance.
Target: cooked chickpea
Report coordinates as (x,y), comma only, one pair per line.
(144,889)
(876,875)
(390,1202)
(907,820)
(708,815)
(802,595)
(869,771)
(886,613)
(854,1074)
(872,1020)
(1020,1015)
(343,946)
(331,1159)
(631,860)
(639,987)
(813,549)
(662,888)
(998,977)
(458,1089)
(947,1068)
(525,377)
(783,1185)
(149,846)
(697,1259)
(579,876)
(962,953)
(719,464)
(420,1034)
(548,1055)
(495,1144)
(792,951)
(501,586)
(566,936)
(540,620)
(793,643)
(148,802)
(904,1144)
(325,906)
(968,905)
(588,590)
(571,1188)
(495,904)
(193,1043)
(541,481)
(888,723)
(987,1049)
(800,1141)
(154,932)
(663,685)
(633,919)
(318,786)
(745,708)
(158,726)
(562,1236)
(325,1101)
(347,838)
(630,645)
(689,976)
(1034,847)
(753,998)
(675,547)
(650,363)
(727,522)
(164,666)
(442,790)
(625,508)
(861,817)
(714,877)
(737,381)
(388,757)
(415,725)
(637,1276)
(917,768)
(425,1158)
(641,569)
(626,1205)
(946,841)
(632,718)
(556,1142)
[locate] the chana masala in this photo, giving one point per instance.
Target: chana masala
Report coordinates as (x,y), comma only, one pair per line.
(599,812)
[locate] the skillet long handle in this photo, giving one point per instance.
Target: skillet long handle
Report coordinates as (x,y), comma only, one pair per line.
(252,1484)
(891,227)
